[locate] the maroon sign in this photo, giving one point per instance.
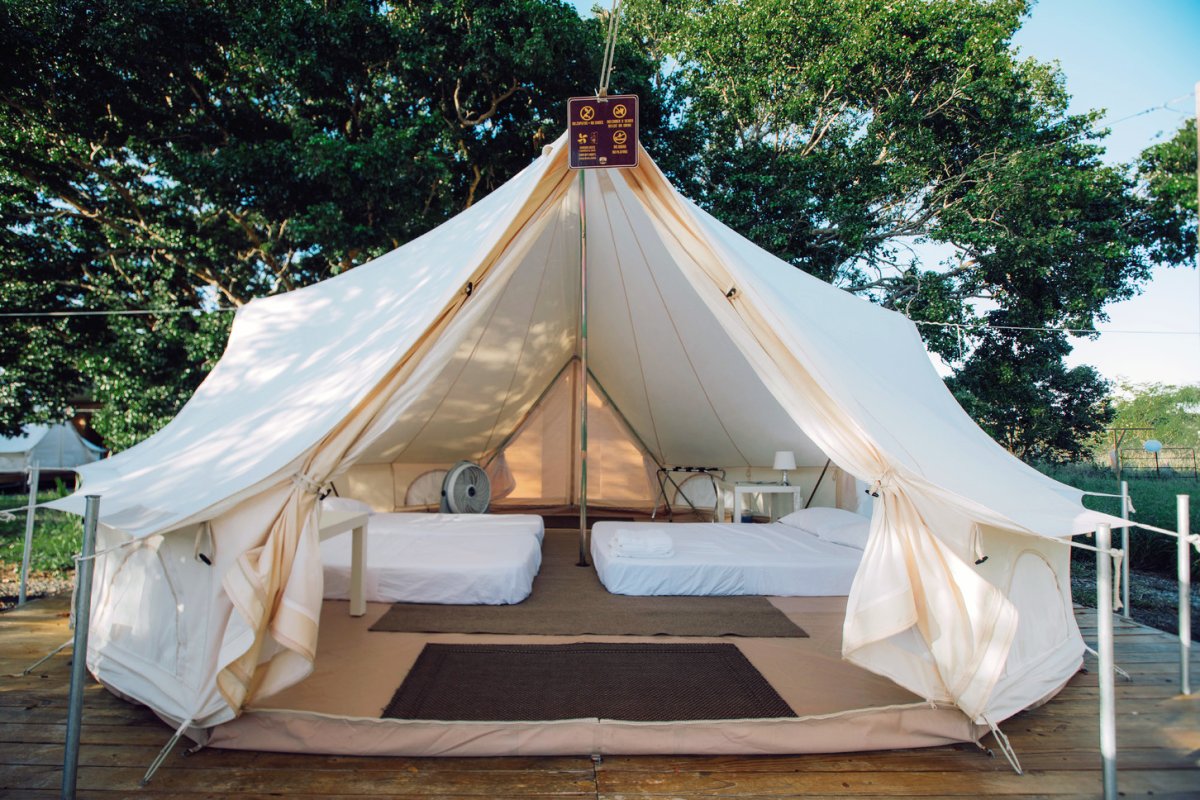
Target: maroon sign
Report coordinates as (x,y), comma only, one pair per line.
(603,131)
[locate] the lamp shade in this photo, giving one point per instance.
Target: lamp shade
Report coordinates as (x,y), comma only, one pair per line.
(785,459)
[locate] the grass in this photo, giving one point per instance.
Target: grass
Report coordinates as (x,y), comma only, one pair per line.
(57,536)
(1153,584)
(1154,504)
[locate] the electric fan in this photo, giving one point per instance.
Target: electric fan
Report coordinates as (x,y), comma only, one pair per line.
(466,489)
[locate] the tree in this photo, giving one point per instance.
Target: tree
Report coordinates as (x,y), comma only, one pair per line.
(1167,172)
(850,137)
(1028,401)
(178,154)
(1171,412)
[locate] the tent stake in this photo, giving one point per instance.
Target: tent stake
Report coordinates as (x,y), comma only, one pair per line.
(83,611)
(29,511)
(583,372)
(1104,621)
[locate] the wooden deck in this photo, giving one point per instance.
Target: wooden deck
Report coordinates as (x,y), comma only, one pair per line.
(1158,734)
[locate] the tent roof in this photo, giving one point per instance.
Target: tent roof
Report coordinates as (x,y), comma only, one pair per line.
(488,305)
(27,440)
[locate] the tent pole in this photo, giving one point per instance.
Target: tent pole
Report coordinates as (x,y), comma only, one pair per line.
(83,612)
(1184,523)
(583,372)
(1126,611)
(34,478)
(1104,620)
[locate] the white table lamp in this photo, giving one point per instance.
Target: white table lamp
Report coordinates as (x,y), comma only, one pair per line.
(785,460)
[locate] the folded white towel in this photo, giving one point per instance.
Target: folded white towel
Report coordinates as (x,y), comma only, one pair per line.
(642,544)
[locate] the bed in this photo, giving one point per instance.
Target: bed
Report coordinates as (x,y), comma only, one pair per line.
(810,553)
(462,559)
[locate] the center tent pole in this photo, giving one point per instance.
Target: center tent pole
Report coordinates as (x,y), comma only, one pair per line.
(583,373)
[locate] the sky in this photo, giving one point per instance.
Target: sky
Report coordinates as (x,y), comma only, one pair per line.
(1125,57)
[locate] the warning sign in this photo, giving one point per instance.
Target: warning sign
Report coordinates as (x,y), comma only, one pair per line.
(603,131)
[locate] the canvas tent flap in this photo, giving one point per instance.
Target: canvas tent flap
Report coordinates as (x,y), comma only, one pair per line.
(294,365)
(703,348)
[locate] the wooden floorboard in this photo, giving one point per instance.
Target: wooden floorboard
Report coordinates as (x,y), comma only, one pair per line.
(1158,736)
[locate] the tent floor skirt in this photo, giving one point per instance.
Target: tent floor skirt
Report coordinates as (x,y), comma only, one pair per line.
(290,731)
(839,707)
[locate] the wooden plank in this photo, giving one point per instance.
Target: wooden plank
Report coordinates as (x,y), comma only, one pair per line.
(292,782)
(98,733)
(938,759)
(200,794)
(1158,751)
(211,758)
(892,784)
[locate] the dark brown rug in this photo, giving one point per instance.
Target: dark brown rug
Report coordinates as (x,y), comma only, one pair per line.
(570,600)
(641,682)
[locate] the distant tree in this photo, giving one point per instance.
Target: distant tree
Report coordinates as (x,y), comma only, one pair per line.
(1171,412)
(1028,401)
(186,154)
(838,135)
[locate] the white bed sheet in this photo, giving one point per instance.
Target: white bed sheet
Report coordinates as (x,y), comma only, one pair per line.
(485,524)
(466,559)
(727,559)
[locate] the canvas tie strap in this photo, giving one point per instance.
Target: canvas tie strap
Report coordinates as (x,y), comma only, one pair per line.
(307,484)
(884,483)
(977,545)
(204,549)
(1118,556)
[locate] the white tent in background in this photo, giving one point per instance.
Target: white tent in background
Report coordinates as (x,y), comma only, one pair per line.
(51,447)
(703,349)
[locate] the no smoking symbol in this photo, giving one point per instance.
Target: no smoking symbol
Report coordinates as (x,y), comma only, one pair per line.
(587,113)
(619,137)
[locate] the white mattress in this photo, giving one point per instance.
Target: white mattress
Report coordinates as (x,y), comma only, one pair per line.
(723,558)
(467,559)
(457,524)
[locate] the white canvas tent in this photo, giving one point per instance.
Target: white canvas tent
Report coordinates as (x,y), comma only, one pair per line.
(703,349)
(51,447)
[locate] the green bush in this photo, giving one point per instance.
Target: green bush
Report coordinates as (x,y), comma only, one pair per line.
(57,536)
(1154,504)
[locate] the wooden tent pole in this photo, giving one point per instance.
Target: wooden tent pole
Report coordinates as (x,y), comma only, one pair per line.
(583,373)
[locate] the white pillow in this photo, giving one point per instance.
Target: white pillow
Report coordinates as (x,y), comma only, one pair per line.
(834,525)
(345,504)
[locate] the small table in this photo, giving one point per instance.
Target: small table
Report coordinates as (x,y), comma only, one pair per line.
(742,489)
(337,522)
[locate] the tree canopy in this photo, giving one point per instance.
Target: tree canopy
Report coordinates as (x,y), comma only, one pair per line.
(860,139)
(187,154)
(1172,413)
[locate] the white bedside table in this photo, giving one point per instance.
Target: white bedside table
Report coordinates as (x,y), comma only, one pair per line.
(742,489)
(337,522)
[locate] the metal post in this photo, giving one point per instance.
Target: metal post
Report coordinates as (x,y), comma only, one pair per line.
(34,478)
(1104,622)
(1126,611)
(583,372)
(83,611)
(1185,591)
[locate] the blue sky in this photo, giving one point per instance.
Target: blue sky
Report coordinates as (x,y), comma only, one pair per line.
(1126,56)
